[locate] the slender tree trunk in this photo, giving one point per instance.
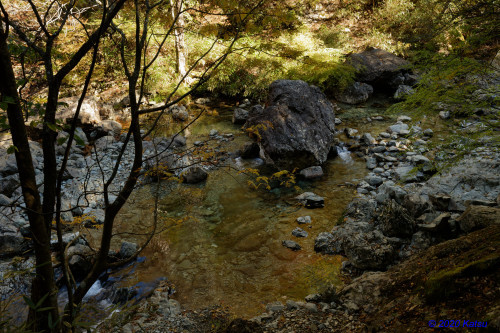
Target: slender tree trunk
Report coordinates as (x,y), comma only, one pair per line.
(180,44)
(49,154)
(43,285)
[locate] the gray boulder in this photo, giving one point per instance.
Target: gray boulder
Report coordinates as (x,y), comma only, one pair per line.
(404,118)
(111,127)
(356,93)
(194,175)
(403,92)
(398,128)
(81,135)
(365,248)
(350,132)
(8,164)
(89,112)
(362,209)
(324,244)
(368,140)
(371,163)
(4,200)
(127,249)
(296,129)
(179,112)
(374,180)
(312,172)
(240,116)
(444,115)
(12,242)
(80,260)
(333,242)
(369,251)
(395,221)
(275,307)
(408,173)
(255,110)
(471,178)
(379,68)
(106,142)
(478,217)
(9,184)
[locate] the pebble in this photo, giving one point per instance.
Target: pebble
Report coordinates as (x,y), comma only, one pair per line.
(304,219)
(311,307)
(299,232)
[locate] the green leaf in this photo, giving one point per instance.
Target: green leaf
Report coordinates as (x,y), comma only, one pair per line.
(52,127)
(79,140)
(47,308)
(29,302)
(4,106)
(12,149)
(50,320)
(60,141)
(41,300)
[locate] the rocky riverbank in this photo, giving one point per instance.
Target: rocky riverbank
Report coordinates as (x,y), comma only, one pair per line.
(421,239)
(407,226)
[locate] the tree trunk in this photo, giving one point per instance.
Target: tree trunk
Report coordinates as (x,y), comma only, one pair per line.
(180,45)
(43,286)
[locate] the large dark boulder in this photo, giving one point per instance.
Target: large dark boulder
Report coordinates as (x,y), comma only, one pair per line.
(366,249)
(381,69)
(297,127)
(395,221)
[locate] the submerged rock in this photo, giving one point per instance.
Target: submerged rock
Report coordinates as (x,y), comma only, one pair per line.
(291,245)
(312,172)
(194,175)
(299,232)
(304,219)
(311,200)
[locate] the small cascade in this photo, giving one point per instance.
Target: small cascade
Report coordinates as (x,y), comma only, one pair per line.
(344,154)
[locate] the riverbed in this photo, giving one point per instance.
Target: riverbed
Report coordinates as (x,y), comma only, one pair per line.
(222,243)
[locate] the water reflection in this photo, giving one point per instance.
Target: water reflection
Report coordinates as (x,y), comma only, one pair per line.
(223,243)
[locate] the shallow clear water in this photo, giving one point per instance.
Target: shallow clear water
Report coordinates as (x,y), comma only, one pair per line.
(223,243)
